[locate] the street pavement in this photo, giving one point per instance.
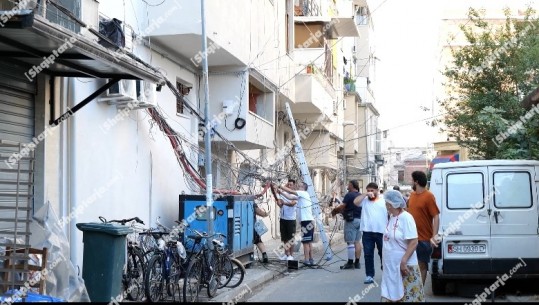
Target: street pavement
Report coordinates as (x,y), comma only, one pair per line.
(274,282)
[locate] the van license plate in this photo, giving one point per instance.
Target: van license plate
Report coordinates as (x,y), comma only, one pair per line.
(467,248)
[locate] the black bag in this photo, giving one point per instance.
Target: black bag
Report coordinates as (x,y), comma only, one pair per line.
(348,215)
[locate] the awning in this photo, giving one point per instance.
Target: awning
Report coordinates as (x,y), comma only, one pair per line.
(44,47)
(31,40)
(443,159)
(343,27)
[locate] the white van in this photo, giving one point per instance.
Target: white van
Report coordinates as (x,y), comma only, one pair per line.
(488,220)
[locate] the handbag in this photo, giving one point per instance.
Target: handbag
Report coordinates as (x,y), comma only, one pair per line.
(348,215)
(260,227)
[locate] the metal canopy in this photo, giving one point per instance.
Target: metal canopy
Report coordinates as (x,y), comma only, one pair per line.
(27,38)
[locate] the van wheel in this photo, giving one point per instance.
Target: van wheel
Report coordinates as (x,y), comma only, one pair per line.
(438,286)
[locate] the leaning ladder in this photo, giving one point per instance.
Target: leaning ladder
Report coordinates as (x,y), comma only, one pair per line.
(307,179)
(16,198)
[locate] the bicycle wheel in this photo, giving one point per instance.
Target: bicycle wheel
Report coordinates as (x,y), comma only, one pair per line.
(134,276)
(154,281)
(193,281)
(173,282)
(223,270)
(237,275)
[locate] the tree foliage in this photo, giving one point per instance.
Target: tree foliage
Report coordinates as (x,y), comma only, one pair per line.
(487,80)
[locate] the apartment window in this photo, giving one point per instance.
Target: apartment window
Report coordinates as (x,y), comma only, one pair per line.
(184,90)
(400,176)
(362,15)
(398,156)
(261,103)
(465,191)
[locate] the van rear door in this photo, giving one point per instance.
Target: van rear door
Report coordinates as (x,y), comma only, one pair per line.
(514,218)
(465,221)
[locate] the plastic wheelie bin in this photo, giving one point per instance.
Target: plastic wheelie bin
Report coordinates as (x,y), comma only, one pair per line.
(103,259)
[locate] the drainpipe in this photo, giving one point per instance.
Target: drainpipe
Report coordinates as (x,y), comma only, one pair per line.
(71,160)
(64,199)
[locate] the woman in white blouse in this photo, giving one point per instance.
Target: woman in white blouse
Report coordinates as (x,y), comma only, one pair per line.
(401,280)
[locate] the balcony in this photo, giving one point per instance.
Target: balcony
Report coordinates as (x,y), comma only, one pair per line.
(245,118)
(320,150)
(313,96)
(178,29)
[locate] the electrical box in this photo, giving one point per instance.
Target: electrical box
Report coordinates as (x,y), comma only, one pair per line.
(228,107)
(233,216)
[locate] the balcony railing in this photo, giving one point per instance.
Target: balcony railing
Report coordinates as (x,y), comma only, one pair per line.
(308,8)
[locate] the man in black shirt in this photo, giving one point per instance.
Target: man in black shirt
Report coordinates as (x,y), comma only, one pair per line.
(352,233)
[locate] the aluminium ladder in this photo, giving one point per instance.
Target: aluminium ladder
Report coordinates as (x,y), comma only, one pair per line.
(307,179)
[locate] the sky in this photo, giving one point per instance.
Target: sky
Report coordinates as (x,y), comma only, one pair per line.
(406,37)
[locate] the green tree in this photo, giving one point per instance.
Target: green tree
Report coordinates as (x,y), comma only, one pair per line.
(487,79)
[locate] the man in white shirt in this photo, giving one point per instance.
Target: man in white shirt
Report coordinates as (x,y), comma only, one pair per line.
(287,222)
(374,216)
(306,217)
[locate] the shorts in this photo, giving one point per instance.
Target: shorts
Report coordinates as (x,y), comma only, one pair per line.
(424,251)
(288,229)
(307,231)
(352,232)
(256,238)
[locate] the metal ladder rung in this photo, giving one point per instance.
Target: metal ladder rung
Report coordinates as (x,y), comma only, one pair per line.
(12,195)
(23,220)
(12,232)
(15,170)
(15,208)
(7,156)
(11,182)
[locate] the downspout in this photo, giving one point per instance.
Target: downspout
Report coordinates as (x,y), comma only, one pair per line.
(64,191)
(71,154)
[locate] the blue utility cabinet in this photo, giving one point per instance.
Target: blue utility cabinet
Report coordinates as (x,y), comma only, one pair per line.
(233,216)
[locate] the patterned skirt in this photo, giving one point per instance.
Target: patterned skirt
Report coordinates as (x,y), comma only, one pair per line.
(413,287)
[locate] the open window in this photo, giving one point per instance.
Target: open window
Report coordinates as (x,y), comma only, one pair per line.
(261,102)
(184,90)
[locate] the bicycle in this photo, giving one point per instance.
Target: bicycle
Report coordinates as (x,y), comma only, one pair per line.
(227,267)
(209,266)
(165,268)
(134,269)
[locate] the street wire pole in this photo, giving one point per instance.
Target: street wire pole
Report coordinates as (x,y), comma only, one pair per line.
(207,136)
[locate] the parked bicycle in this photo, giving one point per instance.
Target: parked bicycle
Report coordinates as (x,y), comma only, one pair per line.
(133,271)
(209,266)
(165,268)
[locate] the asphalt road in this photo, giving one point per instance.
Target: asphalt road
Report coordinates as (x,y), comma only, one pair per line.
(327,283)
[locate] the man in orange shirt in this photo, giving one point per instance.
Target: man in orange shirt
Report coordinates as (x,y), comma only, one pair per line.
(422,206)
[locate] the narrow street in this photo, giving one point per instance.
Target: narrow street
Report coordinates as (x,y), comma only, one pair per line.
(330,284)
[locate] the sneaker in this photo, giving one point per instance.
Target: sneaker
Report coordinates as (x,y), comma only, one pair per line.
(283,258)
(311,261)
(307,263)
(290,258)
(265,260)
(348,266)
(368,280)
(357,265)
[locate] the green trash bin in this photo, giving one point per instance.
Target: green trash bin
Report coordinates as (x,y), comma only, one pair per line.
(103,259)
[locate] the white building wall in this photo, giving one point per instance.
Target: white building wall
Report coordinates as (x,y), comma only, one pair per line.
(128,166)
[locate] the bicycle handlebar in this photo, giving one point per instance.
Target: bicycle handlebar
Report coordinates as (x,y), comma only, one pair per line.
(122,221)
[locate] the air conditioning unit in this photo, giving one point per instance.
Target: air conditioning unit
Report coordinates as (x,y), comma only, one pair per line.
(121,93)
(145,95)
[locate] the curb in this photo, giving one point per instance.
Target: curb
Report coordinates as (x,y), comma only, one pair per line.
(245,290)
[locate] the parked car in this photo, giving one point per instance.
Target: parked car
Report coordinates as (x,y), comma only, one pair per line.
(488,221)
